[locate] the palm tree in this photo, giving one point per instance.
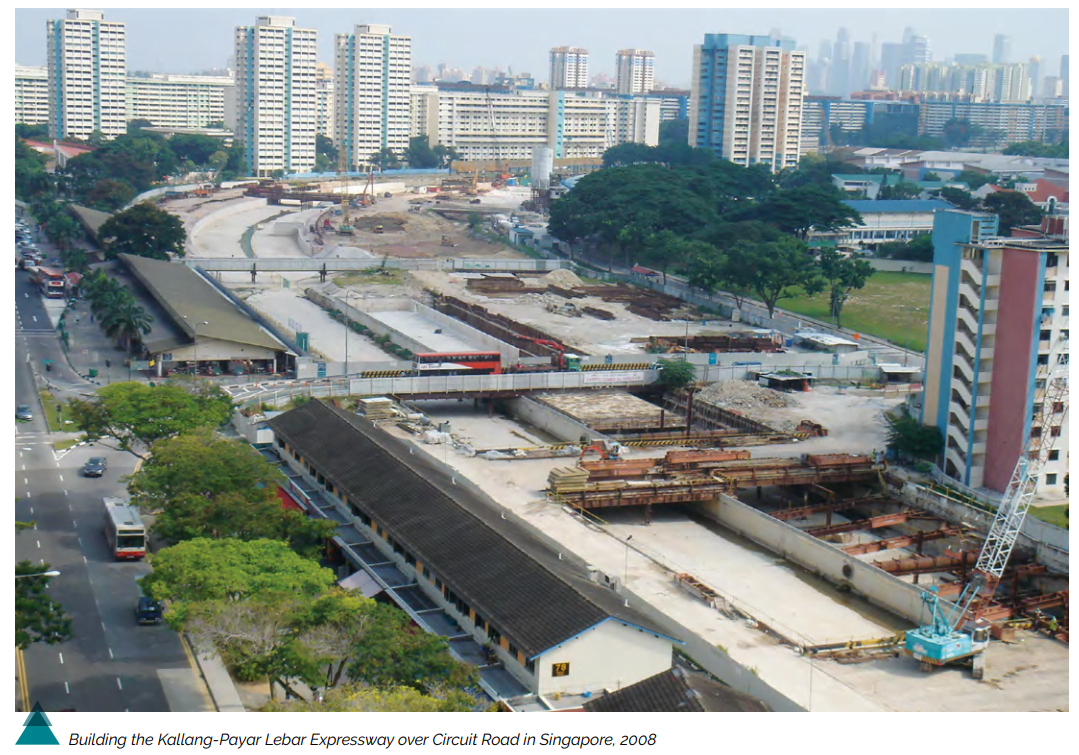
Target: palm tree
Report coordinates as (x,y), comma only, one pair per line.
(127,321)
(98,288)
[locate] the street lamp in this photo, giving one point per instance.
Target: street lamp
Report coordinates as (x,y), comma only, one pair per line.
(52,573)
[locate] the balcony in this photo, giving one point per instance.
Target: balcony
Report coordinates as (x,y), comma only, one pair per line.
(982,401)
(972,270)
(960,386)
(956,458)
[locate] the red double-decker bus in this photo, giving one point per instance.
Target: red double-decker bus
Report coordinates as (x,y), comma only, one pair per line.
(459,363)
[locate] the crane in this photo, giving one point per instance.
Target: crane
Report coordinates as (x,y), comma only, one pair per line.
(570,362)
(959,634)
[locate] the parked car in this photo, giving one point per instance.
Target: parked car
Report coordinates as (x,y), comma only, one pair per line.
(148,611)
(95,467)
(23,413)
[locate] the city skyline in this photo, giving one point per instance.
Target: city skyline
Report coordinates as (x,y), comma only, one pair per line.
(453,37)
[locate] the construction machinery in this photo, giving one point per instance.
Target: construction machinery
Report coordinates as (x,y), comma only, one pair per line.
(345,226)
(566,362)
(378,229)
(959,634)
(608,450)
(367,197)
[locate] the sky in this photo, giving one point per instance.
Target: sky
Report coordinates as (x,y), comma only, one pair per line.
(194,39)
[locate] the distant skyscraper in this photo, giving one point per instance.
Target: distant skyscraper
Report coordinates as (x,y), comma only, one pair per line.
(31,95)
(839,75)
(891,58)
(1063,75)
(569,68)
(859,67)
(87,70)
(746,102)
(1034,74)
(919,50)
(276,97)
(1002,49)
(635,71)
(372,105)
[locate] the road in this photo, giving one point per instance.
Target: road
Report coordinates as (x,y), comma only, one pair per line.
(111,664)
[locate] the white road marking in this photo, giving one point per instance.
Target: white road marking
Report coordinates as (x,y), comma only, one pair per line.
(110,650)
(38,543)
(61,659)
(118,683)
(31,509)
(84,560)
(28,494)
(74,524)
(67,689)
(61,478)
(35,525)
(25,481)
(69,505)
(35,318)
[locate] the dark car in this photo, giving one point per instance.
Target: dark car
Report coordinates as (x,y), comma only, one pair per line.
(23,413)
(148,611)
(95,467)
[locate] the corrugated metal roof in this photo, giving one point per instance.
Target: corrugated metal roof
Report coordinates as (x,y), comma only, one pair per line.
(875,206)
(502,569)
(196,306)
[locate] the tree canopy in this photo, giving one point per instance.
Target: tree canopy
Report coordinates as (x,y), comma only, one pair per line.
(38,618)
(841,276)
(910,438)
(144,230)
(138,414)
(365,698)
(1013,208)
(207,486)
(1039,149)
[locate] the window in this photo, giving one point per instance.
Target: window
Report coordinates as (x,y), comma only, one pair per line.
(1054,455)
(1050,479)
(1054,431)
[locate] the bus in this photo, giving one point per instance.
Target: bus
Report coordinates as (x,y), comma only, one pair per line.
(124,531)
(459,363)
(50,282)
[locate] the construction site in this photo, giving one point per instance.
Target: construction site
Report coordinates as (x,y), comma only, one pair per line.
(755,508)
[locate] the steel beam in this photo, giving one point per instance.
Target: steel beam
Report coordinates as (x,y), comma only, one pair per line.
(902,541)
(876,522)
(823,508)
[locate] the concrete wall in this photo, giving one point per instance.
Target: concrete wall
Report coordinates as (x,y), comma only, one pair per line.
(227,210)
(902,266)
(825,560)
(1049,543)
(550,419)
(609,655)
(294,229)
(510,354)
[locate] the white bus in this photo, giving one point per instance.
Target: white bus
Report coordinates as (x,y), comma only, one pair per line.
(124,530)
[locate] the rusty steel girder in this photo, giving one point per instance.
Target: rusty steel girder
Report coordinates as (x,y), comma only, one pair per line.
(902,541)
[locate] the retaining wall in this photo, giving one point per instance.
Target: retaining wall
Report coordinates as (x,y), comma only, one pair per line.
(827,561)
(550,419)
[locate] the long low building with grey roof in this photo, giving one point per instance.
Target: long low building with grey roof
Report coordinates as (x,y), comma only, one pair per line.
(198,326)
(544,617)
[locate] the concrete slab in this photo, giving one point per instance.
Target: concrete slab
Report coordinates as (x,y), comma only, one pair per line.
(416,326)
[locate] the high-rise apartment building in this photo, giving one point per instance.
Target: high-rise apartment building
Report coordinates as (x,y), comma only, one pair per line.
(635,71)
(87,69)
(372,78)
(31,95)
(1002,49)
(746,102)
(998,327)
(1063,75)
(569,68)
(177,101)
(276,102)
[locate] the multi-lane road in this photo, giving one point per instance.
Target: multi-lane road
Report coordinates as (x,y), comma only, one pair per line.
(111,663)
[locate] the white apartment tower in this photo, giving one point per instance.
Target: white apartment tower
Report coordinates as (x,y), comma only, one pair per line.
(372,82)
(87,70)
(746,102)
(635,71)
(276,102)
(569,68)
(31,95)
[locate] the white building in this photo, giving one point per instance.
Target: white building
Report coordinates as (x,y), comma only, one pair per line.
(324,91)
(372,81)
(276,102)
(177,101)
(887,220)
(31,95)
(87,71)
(635,71)
(746,102)
(569,68)
(482,123)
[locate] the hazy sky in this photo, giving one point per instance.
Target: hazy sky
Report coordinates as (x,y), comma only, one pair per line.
(183,41)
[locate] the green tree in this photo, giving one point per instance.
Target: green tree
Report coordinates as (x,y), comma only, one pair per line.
(204,570)
(420,154)
(964,200)
(109,196)
(202,485)
(930,176)
(38,618)
(144,230)
(796,211)
(125,320)
(365,698)
(1039,149)
(959,132)
(1013,208)
(134,414)
(674,131)
(775,270)
(31,180)
(901,190)
(386,159)
(136,125)
(974,179)
(918,249)
(676,373)
(62,229)
(196,148)
(217,160)
(324,146)
(38,132)
(911,439)
(446,155)
(841,275)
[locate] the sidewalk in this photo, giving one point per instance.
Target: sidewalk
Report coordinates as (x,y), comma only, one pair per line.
(90,349)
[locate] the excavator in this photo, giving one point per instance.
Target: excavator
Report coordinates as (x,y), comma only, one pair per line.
(566,362)
(608,450)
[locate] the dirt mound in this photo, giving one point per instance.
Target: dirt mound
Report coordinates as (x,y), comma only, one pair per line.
(562,278)
(743,394)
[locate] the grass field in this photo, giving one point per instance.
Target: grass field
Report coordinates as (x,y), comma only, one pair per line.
(1051,514)
(894,306)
